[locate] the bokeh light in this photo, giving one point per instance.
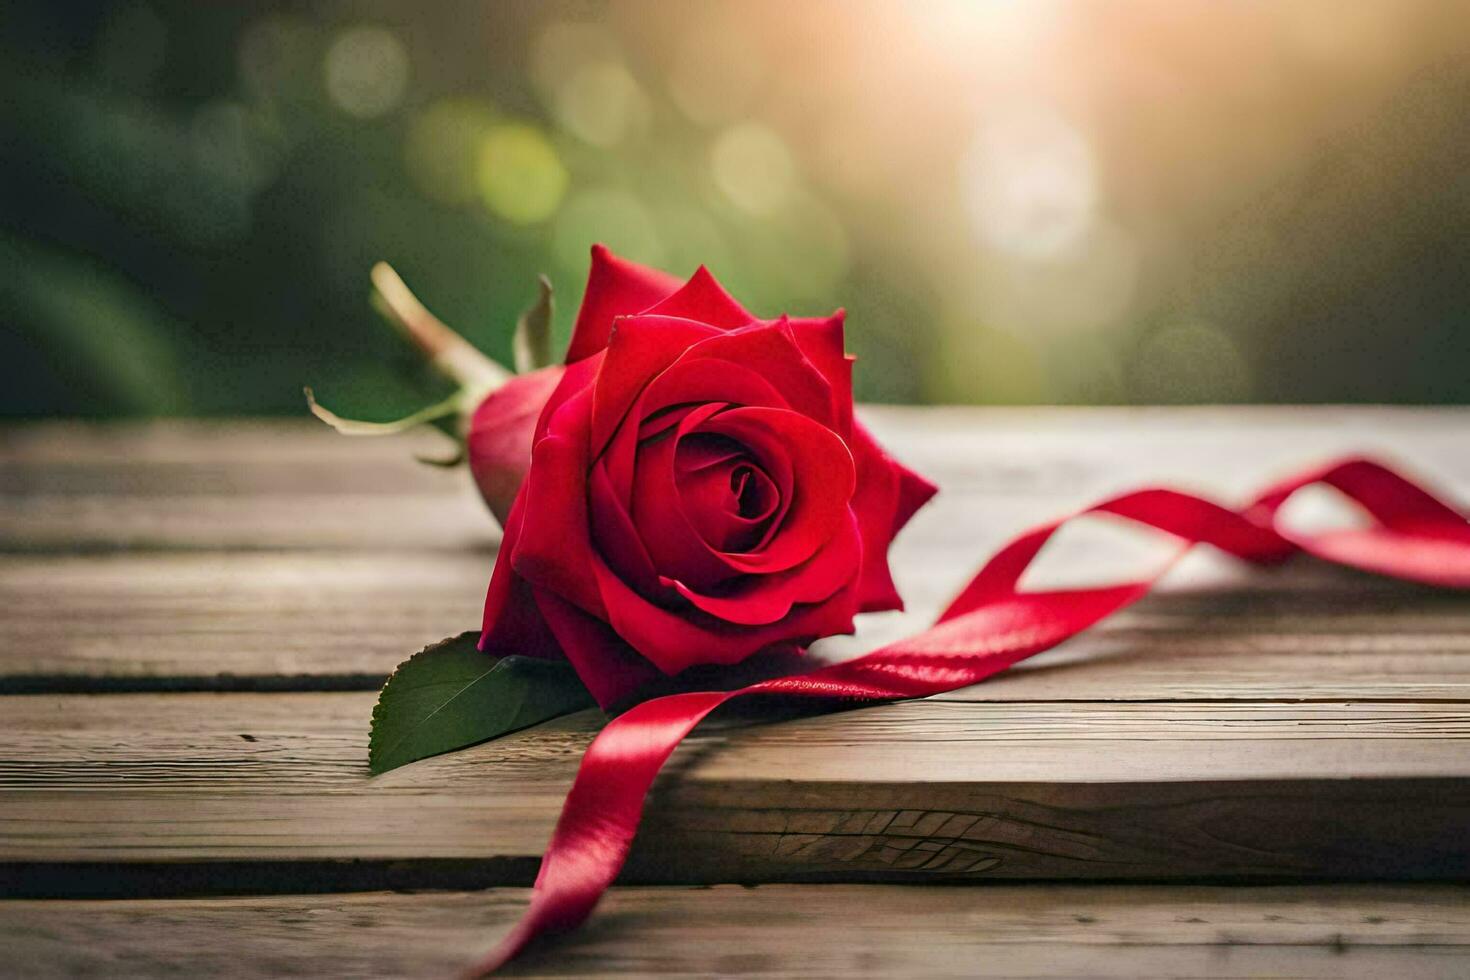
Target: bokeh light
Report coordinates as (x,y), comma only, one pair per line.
(1086,287)
(601,103)
(753,167)
(1005,34)
(520,175)
(1015,200)
(442,152)
(366,71)
(1030,182)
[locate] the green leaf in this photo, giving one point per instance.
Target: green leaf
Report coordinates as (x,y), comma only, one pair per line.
(451,695)
(531,343)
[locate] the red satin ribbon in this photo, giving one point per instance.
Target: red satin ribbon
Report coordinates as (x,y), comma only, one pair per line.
(989,627)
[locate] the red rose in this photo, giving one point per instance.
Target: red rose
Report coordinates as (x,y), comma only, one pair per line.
(698,490)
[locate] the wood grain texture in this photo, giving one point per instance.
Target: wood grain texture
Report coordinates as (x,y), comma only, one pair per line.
(70,486)
(294,558)
(343,620)
(228,620)
(919,790)
(1240,725)
(771,931)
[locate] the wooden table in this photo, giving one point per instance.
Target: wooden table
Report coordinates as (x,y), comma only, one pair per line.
(1249,773)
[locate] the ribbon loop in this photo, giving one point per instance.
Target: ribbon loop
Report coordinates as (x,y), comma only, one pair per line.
(990,626)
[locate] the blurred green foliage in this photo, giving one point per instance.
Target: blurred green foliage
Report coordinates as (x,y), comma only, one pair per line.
(194,193)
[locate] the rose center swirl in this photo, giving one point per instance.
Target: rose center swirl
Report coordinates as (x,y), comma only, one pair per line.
(726,495)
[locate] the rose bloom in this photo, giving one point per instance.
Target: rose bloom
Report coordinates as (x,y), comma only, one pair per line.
(694,490)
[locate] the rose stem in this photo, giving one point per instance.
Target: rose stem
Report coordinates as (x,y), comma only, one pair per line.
(452,355)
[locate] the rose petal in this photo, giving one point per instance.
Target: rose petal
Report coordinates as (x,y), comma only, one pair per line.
(575,379)
(887,495)
(555,539)
(822,482)
(615,287)
(615,535)
(697,454)
(775,465)
(512,622)
(677,391)
(914,491)
(702,298)
(697,376)
(611,669)
(679,388)
(619,458)
(676,641)
(821,340)
(755,496)
(723,492)
(699,380)
(640,348)
(771,350)
(755,600)
(673,542)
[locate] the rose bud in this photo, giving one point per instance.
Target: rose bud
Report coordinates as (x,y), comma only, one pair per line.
(498,440)
(492,412)
(698,490)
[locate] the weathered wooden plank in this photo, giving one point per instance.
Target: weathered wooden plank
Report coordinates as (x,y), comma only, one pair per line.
(775,931)
(105,522)
(241,457)
(67,486)
(121,788)
(343,620)
(268,485)
(229,620)
(241,793)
